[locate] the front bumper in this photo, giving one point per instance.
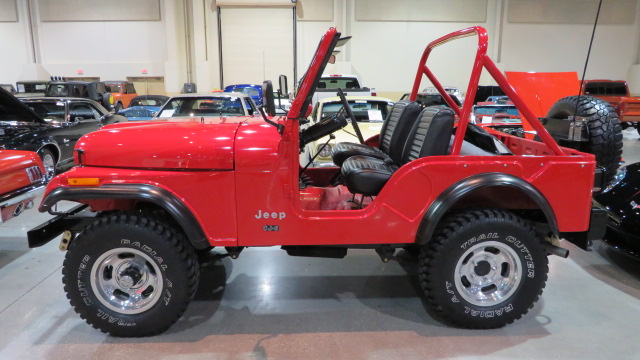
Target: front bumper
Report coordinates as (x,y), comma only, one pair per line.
(14,203)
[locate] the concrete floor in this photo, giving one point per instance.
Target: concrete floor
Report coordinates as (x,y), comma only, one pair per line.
(267,305)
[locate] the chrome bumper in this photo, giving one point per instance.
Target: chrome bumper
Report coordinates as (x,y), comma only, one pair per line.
(23,198)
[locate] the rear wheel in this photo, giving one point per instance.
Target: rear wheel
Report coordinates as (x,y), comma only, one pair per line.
(484,269)
(605,131)
(130,275)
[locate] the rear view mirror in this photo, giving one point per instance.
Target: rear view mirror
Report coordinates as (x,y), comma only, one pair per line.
(284,89)
(268,102)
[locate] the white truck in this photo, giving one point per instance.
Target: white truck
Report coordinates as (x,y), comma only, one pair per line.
(350,85)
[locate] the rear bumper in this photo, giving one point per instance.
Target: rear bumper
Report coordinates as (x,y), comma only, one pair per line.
(13,203)
(597,228)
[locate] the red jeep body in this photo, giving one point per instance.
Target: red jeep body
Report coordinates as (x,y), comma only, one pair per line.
(235,182)
(243,167)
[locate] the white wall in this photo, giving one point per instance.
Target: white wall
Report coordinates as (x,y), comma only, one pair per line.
(14,42)
(383,53)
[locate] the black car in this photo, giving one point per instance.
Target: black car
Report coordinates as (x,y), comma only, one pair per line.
(149,100)
(622,200)
(94,90)
(50,126)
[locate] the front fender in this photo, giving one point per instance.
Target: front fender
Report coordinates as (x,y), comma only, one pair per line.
(141,192)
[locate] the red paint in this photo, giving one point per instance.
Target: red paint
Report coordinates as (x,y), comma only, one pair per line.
(13,165)
(260,172)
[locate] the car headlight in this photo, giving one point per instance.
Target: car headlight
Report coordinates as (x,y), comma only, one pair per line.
(324,150)
(622,172)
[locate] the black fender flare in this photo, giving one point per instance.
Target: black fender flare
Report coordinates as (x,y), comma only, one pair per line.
(143,192)
(457,191)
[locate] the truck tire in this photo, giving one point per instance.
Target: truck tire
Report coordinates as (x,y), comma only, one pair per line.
(484,269)
(130,275)
(605,131)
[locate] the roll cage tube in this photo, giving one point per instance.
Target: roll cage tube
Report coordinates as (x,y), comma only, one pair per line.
(481,61)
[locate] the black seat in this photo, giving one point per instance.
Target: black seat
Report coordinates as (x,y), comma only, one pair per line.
(429,136)
(393,135)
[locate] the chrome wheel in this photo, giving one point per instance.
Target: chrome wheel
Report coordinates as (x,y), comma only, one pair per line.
(488,273)
(126,280)
(49,163)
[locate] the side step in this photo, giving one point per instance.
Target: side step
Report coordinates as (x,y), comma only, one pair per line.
(333,252)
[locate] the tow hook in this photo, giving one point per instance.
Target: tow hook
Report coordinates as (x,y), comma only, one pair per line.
(67,236)
(386,253)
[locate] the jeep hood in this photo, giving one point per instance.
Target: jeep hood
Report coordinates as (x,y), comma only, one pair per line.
(187,145)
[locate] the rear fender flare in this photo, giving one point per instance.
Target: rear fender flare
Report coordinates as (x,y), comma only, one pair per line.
(141,192)
(448,198)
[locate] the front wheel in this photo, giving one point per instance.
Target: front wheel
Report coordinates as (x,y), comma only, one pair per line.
(484,269)
(49,162)
(130,275)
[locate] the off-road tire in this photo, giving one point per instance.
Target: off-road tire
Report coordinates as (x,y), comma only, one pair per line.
(117,107)
(166,256)
(483,237)
(605,130)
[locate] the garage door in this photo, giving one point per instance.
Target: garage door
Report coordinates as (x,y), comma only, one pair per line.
(257,44)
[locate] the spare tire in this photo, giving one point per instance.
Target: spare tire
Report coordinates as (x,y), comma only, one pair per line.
(107,101)
(605,131)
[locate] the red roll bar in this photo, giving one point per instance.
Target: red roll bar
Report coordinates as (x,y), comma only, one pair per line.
(482,61)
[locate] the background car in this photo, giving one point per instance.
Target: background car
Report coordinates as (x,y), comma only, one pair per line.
(123,92)
(495,113)
(152,102)
(21,180)
(138,113)
(31,88)
(430,99)
(622,201)
(369,111)
(282,102)
(254,91)
(50,126)
(144,107)
(212,104)
(94,90)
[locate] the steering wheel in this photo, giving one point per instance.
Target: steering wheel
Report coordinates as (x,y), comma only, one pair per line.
(347,108)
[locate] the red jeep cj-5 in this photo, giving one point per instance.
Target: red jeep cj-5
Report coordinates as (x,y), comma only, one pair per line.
(483,209)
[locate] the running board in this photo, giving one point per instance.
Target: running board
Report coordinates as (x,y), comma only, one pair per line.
(333,252)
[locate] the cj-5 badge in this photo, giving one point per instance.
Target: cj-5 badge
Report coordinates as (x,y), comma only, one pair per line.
(271,215)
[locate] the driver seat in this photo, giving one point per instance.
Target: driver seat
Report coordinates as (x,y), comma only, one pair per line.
(429,137)
(393,135)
